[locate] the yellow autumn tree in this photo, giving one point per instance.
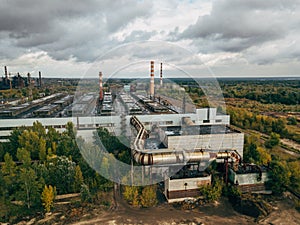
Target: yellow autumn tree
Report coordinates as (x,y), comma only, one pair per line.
(48,196)
(148,197)
(131,194)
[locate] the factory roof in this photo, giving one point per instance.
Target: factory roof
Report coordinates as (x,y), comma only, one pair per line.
(196,130)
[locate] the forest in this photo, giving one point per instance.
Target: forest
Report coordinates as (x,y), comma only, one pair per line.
(38,165)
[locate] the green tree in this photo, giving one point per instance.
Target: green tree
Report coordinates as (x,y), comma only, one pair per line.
(9,173)
(30,185)
(32,142)
(294,168)
(279,176)
(149,197)
(292,120)
(42,150)
(273,140)
(212,192)
(48,196)
(264,158)
(62,174)
(85,193)
(23,156)
(131,195)
(78,179)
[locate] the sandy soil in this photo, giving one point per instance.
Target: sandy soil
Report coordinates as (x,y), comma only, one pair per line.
(209,214)
(167,214)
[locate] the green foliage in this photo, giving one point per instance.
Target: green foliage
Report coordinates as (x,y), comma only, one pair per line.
(78,179)
(8,177)
(233,193)
(32,142)
(85,193)
(292,120)
(149,197)
(284,92)
(273,140)
(254,152)
(294,168)
(244,118)
(212,192)
(24,157)
(131,194)
(279,177)
(62,174)
(30,187)
(48,196)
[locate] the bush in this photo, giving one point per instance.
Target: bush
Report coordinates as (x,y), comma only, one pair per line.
(149,197)
(212,192)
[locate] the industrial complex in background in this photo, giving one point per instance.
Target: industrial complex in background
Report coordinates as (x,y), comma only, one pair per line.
(165,135)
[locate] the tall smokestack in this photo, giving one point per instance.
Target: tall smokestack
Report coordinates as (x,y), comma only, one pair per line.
(28,79)
(40,79)
(5,72)
(161,79)
(100,87)
(152,79)
(10,84)
(29,86)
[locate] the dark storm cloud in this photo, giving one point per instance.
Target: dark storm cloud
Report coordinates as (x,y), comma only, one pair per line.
(66,28)
(235,25)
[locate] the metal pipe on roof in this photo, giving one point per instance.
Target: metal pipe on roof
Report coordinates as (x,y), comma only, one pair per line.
(144,157)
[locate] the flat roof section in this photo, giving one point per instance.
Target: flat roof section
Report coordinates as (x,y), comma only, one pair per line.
(197,130)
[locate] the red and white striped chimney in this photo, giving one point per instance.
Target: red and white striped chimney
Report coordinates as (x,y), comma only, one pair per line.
(152,79)
(100,87)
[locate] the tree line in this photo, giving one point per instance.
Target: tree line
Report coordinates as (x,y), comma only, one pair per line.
(38,164)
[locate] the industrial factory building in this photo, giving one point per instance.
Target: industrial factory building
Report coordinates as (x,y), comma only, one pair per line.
(187,140)
(162,137)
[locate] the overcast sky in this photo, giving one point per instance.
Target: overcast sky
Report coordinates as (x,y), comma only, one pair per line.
(230,37)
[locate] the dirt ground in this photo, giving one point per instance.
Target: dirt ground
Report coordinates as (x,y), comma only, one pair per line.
(221,212)
(209,214)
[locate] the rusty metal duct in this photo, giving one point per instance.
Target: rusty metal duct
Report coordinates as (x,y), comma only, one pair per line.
(152,79)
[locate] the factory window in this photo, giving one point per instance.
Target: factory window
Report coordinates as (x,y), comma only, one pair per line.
(7,128)
(206,121)
(169,122)
(218,121)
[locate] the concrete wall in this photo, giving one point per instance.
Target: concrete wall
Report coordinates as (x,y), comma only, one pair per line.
(215,142)
(247,178)
(192,183)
